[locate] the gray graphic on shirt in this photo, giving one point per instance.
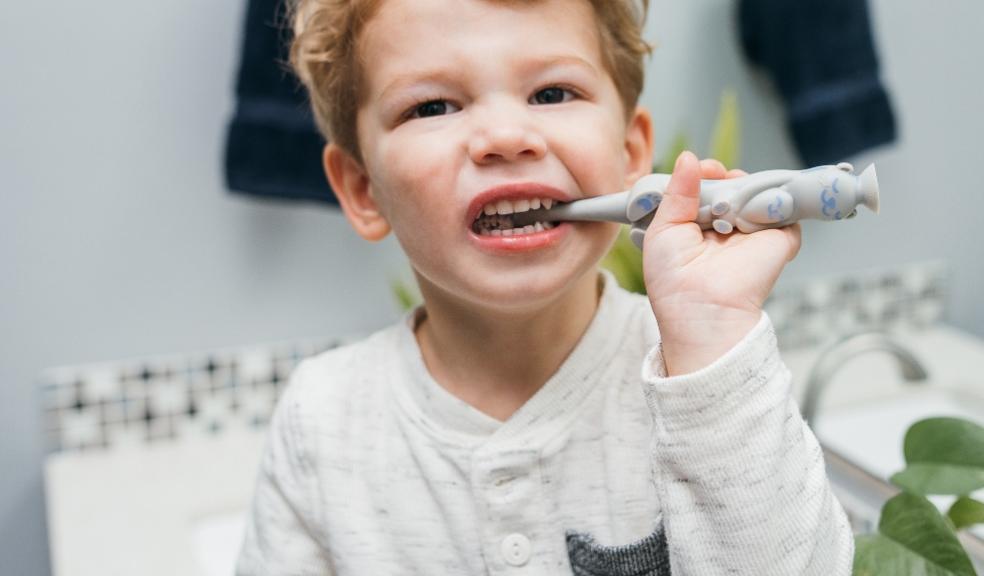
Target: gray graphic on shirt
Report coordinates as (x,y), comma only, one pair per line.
(647,557)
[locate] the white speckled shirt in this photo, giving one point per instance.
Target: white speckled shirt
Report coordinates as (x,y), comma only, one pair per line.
(374,469)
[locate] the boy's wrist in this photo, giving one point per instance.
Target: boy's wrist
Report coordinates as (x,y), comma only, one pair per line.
(693,338)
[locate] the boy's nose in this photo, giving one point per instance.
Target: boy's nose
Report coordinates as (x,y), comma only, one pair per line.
(505,137)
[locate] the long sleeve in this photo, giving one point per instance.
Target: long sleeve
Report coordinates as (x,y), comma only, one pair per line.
(279,533)
(743,484)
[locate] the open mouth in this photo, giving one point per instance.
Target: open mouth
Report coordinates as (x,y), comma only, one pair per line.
(514,217)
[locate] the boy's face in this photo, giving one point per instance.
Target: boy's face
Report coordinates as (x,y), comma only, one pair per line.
(469,103)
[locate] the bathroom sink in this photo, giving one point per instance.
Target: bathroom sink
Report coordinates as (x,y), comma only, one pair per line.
(217,540)
(871,433)
(869,436)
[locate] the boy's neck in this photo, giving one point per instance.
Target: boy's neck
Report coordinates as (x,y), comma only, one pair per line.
(496,361)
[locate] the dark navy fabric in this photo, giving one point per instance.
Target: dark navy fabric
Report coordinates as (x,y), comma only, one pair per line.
(822,57)
(273,148)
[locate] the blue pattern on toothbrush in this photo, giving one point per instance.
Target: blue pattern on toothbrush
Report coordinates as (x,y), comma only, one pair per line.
(774,208)
(829,203)
(646,203)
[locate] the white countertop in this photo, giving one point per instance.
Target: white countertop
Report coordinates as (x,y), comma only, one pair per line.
(155,510)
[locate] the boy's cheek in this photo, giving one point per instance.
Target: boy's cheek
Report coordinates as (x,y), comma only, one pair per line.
(595,153)
(593,169)
(408,170)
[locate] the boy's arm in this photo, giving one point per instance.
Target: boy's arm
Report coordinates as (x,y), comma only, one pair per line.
(279,538)
(744,489)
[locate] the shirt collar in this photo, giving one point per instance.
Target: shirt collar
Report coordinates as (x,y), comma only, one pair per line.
(554,406)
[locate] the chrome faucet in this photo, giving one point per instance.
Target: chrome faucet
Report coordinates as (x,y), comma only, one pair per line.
(848,347)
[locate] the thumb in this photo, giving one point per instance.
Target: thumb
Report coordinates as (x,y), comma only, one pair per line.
(681,200)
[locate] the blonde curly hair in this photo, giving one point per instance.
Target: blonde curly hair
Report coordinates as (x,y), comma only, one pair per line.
(323,54)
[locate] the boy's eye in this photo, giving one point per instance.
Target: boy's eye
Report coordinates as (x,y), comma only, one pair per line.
(432,108)
(552,95)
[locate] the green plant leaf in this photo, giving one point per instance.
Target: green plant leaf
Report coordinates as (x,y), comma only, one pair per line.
(943,456)
(914,540)
(966,512)
(943,479)
(726,139)
(405,296)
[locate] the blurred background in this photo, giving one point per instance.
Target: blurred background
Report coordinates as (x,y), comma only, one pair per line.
(127,262)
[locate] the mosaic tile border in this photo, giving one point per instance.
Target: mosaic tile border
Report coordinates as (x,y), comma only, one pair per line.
(812,312)
(164,398)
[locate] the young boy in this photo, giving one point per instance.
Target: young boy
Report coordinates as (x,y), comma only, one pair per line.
(530,418)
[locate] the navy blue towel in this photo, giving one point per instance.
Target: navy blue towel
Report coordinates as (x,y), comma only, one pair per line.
(821,55)
(273,148)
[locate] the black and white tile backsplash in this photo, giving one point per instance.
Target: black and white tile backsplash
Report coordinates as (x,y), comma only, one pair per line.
(166,398)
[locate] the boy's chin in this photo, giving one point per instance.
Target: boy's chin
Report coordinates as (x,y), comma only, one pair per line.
(528,291)
(518,284)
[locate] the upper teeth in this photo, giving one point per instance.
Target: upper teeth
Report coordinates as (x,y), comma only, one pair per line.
(515,206)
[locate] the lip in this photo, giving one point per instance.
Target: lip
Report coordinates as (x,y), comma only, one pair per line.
(525,242)
(522,243)
(514,191)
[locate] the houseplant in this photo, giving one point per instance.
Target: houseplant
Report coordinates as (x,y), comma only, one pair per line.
(944,456)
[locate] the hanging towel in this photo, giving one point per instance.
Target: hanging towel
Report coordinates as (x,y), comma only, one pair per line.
(273,148)
(821,55)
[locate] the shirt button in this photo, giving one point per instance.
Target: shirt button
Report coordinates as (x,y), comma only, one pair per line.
(516,549)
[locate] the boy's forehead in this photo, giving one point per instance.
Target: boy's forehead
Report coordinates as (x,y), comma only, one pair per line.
(422,34)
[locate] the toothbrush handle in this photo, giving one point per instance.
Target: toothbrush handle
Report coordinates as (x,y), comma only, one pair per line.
(607,208)
(769,199)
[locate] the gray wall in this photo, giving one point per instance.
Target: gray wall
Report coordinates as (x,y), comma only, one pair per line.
(118,240)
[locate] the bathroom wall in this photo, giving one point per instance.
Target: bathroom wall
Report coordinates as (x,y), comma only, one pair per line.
(116,234)
(118,240)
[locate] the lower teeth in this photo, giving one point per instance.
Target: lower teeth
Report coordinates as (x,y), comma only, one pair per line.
(538,227)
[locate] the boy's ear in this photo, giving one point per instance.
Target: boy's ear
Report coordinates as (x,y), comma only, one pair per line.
(638,146)
(351,185)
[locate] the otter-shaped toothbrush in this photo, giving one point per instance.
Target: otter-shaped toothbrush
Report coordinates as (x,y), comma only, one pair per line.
(769,199)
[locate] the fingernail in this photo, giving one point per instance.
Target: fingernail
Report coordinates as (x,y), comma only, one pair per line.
(680,158)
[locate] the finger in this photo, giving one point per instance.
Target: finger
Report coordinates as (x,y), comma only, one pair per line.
(712,169)
(736,173)
(681,200)
(795,240)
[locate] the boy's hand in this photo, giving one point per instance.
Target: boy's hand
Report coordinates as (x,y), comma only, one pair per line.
(707,289)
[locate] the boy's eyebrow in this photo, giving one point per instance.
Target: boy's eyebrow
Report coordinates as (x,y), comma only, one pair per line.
(440,75)
(568,60)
